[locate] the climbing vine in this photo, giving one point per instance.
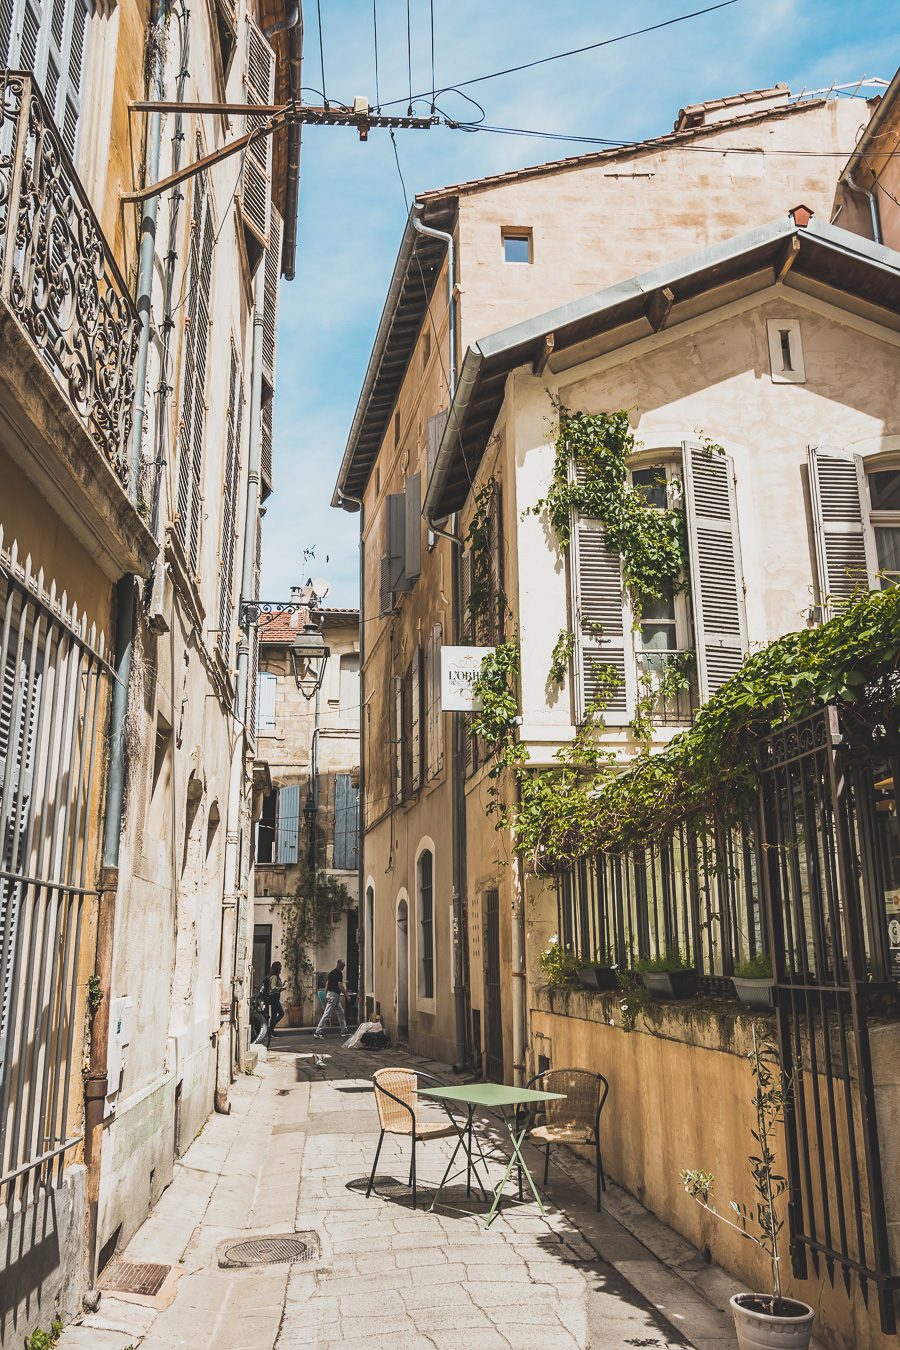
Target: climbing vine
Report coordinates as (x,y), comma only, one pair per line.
(560,657)
(481,546)
(658,686)
(310,913)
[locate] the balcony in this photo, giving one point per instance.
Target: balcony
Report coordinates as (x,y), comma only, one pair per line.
(58,277)
(667,687)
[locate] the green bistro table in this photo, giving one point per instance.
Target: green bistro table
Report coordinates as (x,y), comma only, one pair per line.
(493,1097)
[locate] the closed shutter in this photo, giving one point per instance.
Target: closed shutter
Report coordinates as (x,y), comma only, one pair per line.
(233,419)
(253,690)
(396,537)
(257,168)
(465,625)
(434,738)
(412,562)
(192,425)
(497,599)
(287,824)
(717,582)
(845,548)
(50,41)
(599,603)
(385,594)
(346,798)
(270,299)
(398,739)
(266,691)
(266,449)
(415,720)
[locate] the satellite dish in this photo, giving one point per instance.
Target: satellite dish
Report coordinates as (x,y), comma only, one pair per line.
(321,587)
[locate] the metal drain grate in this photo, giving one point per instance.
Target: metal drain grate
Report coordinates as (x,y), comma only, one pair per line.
(266,1251)
(133,1277)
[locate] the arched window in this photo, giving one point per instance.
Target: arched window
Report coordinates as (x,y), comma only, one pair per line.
(425,917)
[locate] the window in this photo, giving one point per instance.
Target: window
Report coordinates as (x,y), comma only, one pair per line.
(845,520)
(265,830)
(346,801)
(785,351)
(884,499)
(434,722)
(266,693)
(483,576)
(396,429)
(51,41)
(192,424)
(369,940)
(426,346)
(425,905)
(350,686)
(517,246)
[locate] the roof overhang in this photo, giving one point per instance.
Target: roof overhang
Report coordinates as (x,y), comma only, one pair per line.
(819,259)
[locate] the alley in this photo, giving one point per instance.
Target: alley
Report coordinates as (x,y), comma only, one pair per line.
(293,1156)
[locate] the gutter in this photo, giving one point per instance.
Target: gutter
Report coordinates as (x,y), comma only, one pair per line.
(469,379)
(292,24)
(858,159)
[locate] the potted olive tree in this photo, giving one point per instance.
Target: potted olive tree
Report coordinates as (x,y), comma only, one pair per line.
(762,1321)
(753,981)
(668,975)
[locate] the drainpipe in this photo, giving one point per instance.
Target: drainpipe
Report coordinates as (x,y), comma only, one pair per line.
(874,212)
(457,758)
(292,24)
(363,937)
(230,959)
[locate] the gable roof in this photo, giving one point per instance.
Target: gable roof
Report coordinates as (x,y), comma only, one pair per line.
(419,262)
(812,257)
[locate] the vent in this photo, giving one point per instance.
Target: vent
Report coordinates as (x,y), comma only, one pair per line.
(268,1251)
(133,1277)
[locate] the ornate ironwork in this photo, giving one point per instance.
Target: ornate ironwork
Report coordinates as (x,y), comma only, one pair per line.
(59,276)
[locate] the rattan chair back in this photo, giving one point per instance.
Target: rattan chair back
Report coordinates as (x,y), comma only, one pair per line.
(578,1109)
(401,1083)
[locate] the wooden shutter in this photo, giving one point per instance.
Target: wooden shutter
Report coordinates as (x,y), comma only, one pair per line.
(398,739)
(497,600)
(287,824)
(845,545)
(465,625)
(412,542)
(257,169)
(717,582)
(415,720)
(266,691)
(253,683)
(51,41)
(192,425)
(270,299)
(434,739)
(233,418)
(266,449)
(396,536)
(385,594)
(603,636)
(345,821)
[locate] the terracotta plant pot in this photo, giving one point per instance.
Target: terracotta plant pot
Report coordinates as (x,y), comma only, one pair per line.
(670,983)
(754,993)
(598,977)
(789,1329)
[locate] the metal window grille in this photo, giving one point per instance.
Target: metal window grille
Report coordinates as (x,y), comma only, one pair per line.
(54,683)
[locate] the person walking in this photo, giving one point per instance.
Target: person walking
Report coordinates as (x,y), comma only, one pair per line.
(334,995)
(274,986)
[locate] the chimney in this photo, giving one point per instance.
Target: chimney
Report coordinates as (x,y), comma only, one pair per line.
(801,216)
(297,595)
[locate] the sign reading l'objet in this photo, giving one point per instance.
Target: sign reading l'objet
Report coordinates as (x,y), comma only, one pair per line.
(460,668)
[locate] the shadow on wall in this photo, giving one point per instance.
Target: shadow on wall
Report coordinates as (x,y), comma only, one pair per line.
(42,1256)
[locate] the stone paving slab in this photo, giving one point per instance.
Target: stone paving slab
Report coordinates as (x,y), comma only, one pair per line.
(294,1155)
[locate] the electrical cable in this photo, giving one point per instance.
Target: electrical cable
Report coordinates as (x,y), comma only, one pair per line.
(409,57)
(431,7)
(375,31)
(560,56)
(321,51)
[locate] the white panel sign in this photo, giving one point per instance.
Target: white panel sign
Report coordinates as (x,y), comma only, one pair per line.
(460,668)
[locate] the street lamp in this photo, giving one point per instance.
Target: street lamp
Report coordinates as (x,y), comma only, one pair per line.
(308,657)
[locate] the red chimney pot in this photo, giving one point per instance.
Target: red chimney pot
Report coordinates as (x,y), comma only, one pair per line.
(802,215)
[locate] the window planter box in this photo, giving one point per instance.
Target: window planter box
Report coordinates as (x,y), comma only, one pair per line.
(755,993)
(670,983)
(603,978)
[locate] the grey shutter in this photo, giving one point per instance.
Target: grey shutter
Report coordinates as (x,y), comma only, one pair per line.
(233,418)
(270,299)
(599,603)
(252,693)
(256,173)
(287,824)
(194,362)
(385,594)
(51,41)
(434,740)
(845,546)
(345,821)
(717,582)
(412,565)
(415,720)
(398,739)
(396,536)
(266,691)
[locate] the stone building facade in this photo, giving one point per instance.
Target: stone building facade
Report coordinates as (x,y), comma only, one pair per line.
(135,435)
(307,751)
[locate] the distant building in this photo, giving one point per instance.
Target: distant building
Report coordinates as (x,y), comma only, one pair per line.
(307,751)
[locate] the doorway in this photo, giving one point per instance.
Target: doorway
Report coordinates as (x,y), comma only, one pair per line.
(493,1008)
(402,970)
(262,953)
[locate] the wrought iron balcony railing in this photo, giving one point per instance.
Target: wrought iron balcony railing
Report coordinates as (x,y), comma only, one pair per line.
(58,275)
(667,681)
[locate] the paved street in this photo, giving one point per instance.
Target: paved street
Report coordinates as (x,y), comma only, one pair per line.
(294,1155)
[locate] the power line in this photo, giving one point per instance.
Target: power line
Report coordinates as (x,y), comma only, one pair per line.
(409,57)
(650,145)
(431,6)
(560,56)
(375,29)
(321,51)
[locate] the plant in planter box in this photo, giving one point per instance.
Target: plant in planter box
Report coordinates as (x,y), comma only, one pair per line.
(753,981)
(668,975)
(761,1320)
(558,967)
(601,973)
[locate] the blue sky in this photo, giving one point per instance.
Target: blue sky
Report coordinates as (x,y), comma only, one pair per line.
(352,209)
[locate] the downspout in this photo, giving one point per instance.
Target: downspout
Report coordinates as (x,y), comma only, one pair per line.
(363,937)
(96,1082)
(874,212)
(231,900)
(457,758)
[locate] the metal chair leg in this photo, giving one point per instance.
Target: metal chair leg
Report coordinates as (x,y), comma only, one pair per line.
(374,1165)
(546,1163)
(601,1180)
(414,1170)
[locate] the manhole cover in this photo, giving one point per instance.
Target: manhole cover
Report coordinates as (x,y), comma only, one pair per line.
(133,1277)
(266,1251)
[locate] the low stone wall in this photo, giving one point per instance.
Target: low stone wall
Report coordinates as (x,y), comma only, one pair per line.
(681,1095)
(43,1259)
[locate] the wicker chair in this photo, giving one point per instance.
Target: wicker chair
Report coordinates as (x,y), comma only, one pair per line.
(398,1113)
(575,1119)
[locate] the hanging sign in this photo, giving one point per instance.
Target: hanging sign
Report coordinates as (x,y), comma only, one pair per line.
(460,668)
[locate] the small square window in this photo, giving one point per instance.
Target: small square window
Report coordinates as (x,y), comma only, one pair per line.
(517,246)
